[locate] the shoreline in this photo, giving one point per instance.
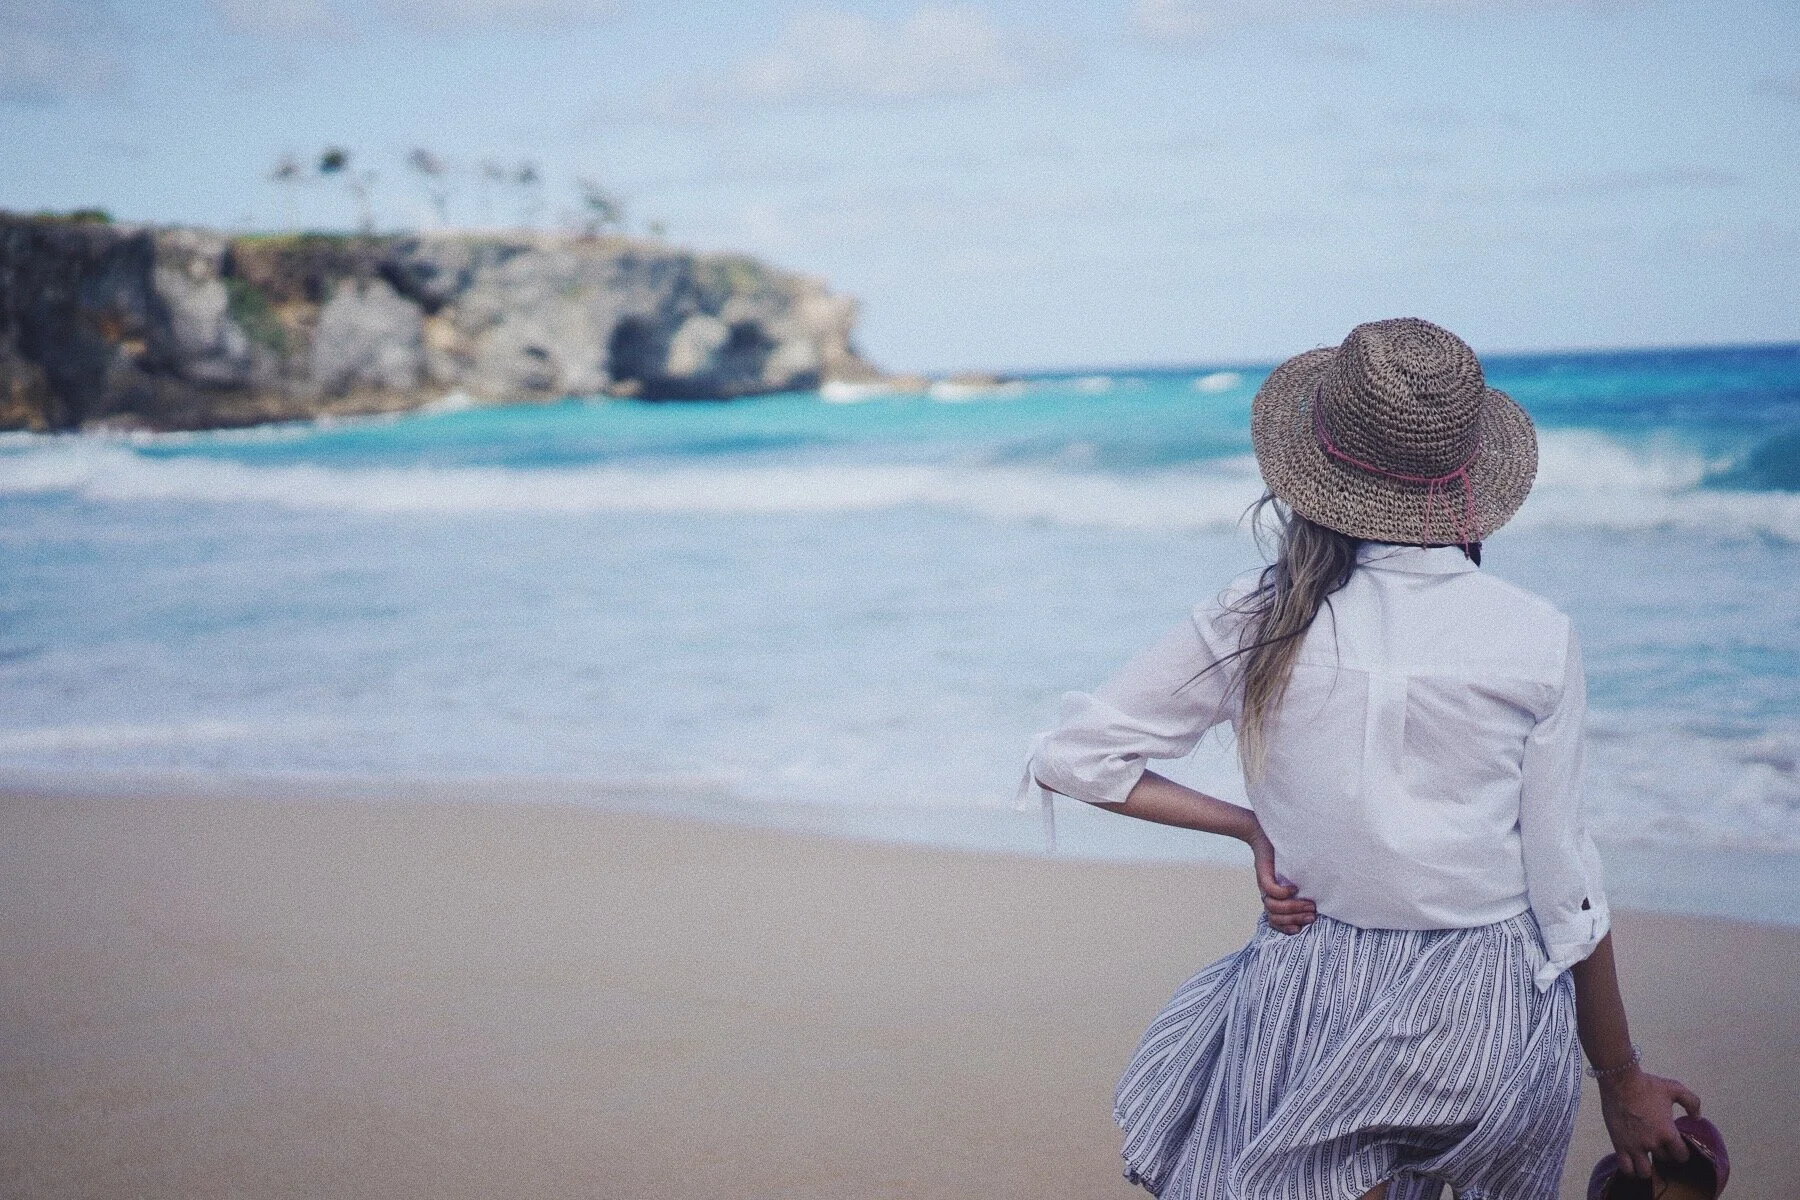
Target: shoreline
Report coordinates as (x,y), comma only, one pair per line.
(437,997)
(1753,886)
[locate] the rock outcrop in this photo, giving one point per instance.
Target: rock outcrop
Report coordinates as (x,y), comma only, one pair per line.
(131,326)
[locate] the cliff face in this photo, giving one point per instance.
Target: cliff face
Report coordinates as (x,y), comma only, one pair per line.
(182,329)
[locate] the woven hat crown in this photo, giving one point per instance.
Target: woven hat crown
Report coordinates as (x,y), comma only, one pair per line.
(1403,396)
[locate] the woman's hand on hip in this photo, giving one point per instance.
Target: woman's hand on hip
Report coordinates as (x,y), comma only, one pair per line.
(1155,798)
(1639,1109)
(1287,910)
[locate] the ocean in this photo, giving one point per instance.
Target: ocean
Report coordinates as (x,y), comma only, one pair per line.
(850,611)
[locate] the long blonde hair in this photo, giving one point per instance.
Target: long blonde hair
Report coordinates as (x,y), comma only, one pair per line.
(1310,563)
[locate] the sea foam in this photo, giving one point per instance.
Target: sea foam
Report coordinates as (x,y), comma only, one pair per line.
(1585,480)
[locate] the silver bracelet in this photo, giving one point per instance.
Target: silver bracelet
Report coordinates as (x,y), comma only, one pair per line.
(1637,1056)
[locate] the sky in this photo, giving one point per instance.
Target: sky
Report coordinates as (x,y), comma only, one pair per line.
(1002,185)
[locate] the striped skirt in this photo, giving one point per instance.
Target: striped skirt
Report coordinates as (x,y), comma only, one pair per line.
(1313,1066)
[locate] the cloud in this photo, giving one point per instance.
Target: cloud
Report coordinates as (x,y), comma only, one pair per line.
(459,14)
(328,18)
(828,57)
(1624,183)
(1178,22)
(1436,120)
(52,50)
(1786,86)
(280,18)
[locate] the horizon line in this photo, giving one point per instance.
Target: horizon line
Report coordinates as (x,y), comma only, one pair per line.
(1246,364)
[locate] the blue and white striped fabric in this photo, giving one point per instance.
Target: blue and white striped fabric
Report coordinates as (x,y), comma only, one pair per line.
(1313,1066)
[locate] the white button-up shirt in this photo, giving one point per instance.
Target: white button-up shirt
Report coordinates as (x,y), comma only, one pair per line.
(1424,768)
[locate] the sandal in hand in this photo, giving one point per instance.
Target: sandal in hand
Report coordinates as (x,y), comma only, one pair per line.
(1701,1177)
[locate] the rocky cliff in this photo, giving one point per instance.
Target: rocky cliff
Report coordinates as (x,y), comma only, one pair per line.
(129,326)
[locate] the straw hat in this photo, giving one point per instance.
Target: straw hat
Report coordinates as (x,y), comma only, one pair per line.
(1394,437)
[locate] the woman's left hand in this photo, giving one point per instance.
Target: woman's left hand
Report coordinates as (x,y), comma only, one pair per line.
(1638,1109)
(1288,911)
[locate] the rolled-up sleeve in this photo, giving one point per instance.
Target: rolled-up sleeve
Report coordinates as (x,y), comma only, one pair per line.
(1562,867)
(1156,706)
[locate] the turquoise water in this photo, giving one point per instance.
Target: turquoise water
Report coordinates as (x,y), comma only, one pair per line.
(806,603)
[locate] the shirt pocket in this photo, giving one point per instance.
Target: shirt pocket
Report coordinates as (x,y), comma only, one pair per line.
(1465,738)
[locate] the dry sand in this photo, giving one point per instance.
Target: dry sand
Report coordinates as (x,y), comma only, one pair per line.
(211,999)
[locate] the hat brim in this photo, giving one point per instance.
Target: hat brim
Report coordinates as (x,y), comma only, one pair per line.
(1365,505)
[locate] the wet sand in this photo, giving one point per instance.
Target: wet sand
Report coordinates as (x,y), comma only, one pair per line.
(219,998)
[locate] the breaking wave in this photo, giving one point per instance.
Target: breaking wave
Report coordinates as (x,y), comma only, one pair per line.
(1669,782)
(1585,480)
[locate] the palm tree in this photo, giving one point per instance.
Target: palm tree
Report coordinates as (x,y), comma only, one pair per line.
(335,160)
(603,210)
(436,173)
(492,175)
(287,172)
(531,184)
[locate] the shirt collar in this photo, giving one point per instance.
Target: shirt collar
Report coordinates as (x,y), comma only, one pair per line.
(1415,560)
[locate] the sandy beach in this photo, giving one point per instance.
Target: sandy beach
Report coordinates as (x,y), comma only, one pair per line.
(217,998)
